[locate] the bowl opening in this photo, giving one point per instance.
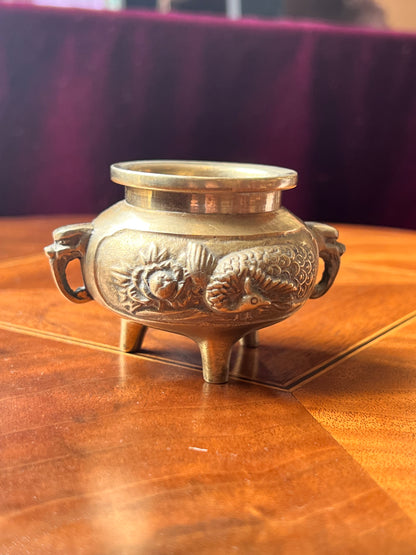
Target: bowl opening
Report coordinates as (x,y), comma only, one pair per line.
(187,175)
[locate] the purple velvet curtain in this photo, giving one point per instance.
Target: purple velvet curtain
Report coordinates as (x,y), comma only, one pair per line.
(80,90)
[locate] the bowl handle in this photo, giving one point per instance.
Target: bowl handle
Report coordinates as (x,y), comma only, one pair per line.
(70,243)
(330,250)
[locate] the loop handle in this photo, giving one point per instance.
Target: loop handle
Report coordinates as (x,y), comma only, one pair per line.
(330,250)
(70,243)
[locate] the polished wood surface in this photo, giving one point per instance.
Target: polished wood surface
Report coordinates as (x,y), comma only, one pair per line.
(103,452)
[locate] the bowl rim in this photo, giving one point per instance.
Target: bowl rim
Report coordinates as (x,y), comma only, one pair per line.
(202,176)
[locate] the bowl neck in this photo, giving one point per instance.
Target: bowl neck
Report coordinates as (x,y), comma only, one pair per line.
(204,202)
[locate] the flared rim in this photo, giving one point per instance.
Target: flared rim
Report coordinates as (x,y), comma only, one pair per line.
(202,176)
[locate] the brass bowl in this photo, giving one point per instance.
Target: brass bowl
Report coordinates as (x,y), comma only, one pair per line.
(203,249)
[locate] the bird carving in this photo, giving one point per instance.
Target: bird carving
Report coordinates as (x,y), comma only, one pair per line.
(258,278)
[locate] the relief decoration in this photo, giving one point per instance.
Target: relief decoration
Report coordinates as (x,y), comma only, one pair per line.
(259,278)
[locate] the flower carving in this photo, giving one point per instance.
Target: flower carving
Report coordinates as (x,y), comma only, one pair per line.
(155,281)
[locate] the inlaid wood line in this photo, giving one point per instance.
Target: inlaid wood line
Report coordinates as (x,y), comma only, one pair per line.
(350,352)
(114,350)
(291,385)
(92,345)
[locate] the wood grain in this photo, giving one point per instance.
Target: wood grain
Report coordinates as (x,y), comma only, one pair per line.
(102,455)
(106,453)
(379,247)
(289,351)
(368,404)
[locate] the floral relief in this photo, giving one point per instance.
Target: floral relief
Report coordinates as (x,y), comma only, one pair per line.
(261,278)
(156,281)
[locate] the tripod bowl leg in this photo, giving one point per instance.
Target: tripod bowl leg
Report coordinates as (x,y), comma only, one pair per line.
(215,354)
(131,336)
(251,339)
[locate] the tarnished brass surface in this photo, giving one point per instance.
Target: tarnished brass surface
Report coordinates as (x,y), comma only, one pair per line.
(186,176)
(199,248)
(204,203)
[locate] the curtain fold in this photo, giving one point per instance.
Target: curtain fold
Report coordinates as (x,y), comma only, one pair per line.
(80,90)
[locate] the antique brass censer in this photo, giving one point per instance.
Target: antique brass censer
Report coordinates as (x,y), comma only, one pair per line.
(202,249)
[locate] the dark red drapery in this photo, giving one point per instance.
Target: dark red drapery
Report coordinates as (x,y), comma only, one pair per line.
(81,89)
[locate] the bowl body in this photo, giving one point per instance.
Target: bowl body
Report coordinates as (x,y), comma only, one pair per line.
(229,272)
(199,248)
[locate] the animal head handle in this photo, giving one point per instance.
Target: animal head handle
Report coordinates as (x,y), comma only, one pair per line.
(70,243)
(330,250)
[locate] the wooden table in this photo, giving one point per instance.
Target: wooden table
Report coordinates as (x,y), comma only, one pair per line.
(110,453)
